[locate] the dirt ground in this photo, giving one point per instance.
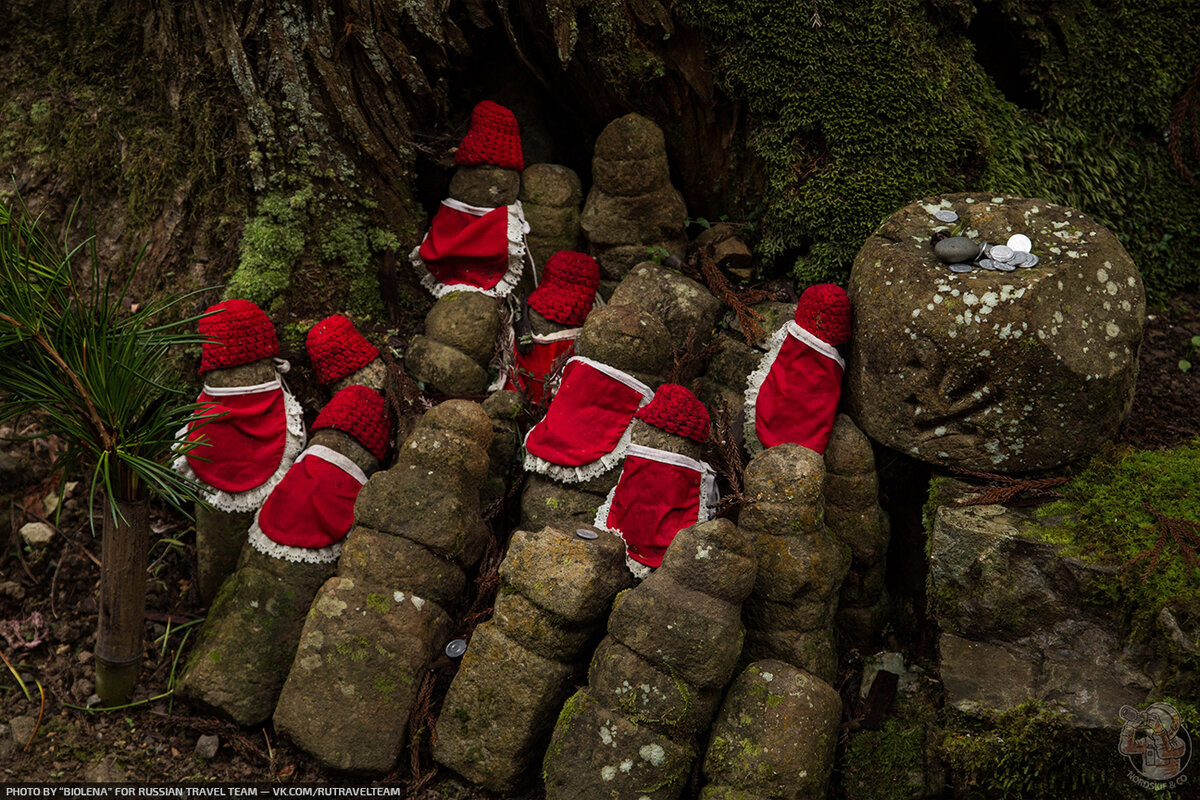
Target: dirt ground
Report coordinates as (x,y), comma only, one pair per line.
(48,621)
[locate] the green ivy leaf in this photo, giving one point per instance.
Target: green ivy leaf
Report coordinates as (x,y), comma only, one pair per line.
(1184,365)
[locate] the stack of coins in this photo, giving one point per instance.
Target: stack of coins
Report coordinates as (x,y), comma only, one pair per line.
(995,258)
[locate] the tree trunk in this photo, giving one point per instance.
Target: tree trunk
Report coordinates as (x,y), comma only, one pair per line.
(124,551)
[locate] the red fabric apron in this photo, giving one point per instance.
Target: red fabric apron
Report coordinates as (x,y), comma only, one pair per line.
(472,248)
(242,447)
(797,399)
(529,372)
(313,506)
(659,494)
(585,430)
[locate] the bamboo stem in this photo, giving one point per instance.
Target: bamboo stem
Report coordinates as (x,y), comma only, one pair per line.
(124,552)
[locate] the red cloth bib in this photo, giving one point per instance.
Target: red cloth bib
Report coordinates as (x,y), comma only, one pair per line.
(585,430)
(313,506)
(472,248)
(797,398)
(659,494)
(242,448)
(529,372)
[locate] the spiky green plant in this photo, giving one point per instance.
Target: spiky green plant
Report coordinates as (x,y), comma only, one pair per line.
(98,377)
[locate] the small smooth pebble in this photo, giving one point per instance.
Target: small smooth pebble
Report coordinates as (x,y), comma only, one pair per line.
(956,250)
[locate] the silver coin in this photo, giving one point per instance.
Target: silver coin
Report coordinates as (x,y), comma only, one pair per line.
(1001,252)
(986,263)
(456,647)
(1004,266)
(945,215)
(1018,258)
(961,267)
(983,250)
(1031,261)
(1020,242)
(586,533)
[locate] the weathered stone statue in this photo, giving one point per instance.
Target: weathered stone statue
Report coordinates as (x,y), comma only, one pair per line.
(374,628)
(249,638)
(249,432)
(656,679)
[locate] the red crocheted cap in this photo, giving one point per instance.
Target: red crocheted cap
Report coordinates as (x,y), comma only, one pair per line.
(337,349)
(568,288)
(493,138)
(237,332)
(361,412)
(676,410)
(824,311)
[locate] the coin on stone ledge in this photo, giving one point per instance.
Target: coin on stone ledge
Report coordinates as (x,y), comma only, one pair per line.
(1020,243)
(455,648)
(945,215)
(584,533)
(1001,253)
(961,268)
(986,263)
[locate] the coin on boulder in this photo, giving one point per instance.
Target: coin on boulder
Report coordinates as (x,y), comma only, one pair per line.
(1020,243)
(961,267)
(945,215)
(1002,252)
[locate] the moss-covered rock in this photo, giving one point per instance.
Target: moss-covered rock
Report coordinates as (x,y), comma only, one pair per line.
(444,369)
(485,185)
(362,655)
(249,638)
(597,753)
(219,539)
(685,307)
(572,577)
(467,321)
(774,736)
(383,559)
(996,371)
(626,338)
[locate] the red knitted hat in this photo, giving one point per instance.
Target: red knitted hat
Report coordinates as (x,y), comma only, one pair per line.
(568,288)
(361,412)
(336,348)
(237,332)
(824,311)
(493,138)
(676,410)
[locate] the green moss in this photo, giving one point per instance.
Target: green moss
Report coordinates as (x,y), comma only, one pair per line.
(891,762)
(214,656)
(377,602)
(1032,752)
(887,102)
(1101,519)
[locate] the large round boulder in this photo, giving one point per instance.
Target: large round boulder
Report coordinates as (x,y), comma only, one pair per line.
(998,371)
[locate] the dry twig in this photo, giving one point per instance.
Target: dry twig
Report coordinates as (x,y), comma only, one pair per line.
(1185,535)
(1003,489)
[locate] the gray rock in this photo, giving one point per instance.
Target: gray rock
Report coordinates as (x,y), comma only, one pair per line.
(362,655)
(681,631)
(624,682)
(814,651)
(774,736)
(219,539)
(572,577)
(247,642)
(251,374)
(106,771)
(956,249)
(545,502)
(485,185)
(598,753)
(206,747)
(443,369)
(650,436)
(37,534)
(785,487)
(467,321)
(732,364)
(1003,597)
(625,338)
(373,374)
(430,509)
(716,558)
(685,307)
(632,209)
(551,195)
(500,710)
(21,729)
(542,632)
(996,371)
(347,445)
(381,559)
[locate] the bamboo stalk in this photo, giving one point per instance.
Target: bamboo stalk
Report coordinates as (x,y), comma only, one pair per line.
(124,551)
